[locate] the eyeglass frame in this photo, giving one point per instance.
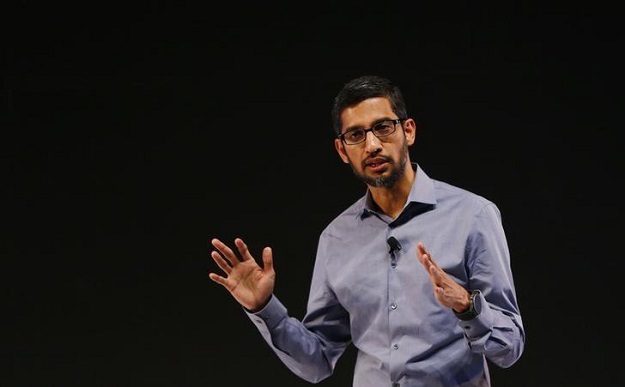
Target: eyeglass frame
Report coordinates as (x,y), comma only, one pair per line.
(395,121)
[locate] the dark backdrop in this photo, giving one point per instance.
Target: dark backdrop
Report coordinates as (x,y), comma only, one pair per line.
(133,135)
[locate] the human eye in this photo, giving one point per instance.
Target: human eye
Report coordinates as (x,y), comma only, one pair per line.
(354,135)
(384,128)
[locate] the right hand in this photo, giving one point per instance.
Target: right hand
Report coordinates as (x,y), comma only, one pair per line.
(250,284)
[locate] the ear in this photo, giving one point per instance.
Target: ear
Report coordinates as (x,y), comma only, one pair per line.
(340,148)
(410,131)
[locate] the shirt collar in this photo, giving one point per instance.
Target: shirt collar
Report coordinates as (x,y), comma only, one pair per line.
(422,193)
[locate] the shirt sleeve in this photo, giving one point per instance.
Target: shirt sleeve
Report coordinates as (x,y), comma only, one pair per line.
(308,349)
(497,332)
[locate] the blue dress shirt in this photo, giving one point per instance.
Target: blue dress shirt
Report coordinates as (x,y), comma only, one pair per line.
(383,302)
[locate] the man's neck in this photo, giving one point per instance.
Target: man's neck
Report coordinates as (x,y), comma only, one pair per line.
(391,201)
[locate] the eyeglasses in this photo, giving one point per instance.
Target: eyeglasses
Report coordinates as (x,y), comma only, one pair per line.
(381,129)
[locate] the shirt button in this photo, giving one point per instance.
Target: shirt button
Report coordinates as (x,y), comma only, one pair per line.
(393,306)
(395,346)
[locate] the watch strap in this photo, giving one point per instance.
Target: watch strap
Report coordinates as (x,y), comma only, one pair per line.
(472,312)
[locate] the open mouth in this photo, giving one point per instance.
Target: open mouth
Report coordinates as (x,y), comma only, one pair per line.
(377,165)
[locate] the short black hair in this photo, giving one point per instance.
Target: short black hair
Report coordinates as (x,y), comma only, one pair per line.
(365,87)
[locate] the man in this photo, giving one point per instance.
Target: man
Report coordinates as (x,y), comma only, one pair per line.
(418,316)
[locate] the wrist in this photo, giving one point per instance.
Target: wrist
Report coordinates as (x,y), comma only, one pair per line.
(260,306)
(474,308)
(463,305)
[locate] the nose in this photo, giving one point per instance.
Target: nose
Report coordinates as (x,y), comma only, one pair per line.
(372,143)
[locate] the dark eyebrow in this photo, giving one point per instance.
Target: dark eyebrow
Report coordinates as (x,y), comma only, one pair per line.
(372,125)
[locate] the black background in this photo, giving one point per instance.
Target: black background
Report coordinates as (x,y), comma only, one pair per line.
(133,135)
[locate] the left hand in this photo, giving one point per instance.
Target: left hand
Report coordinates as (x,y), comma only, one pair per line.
(448,292)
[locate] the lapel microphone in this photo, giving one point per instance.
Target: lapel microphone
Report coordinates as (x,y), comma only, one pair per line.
(393,245)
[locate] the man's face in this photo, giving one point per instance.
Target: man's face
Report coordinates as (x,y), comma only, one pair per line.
(378,162)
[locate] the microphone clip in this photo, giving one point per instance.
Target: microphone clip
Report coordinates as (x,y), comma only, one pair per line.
(393,245)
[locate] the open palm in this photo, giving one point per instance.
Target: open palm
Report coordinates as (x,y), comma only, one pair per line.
(250,284)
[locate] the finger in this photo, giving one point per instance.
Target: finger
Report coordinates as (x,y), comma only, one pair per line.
(421,252)
(421,248)
(268,259)
(243,250)
(225,251)
(436,274)
(217,278)
(428,258)
(425,257)
(221,262)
